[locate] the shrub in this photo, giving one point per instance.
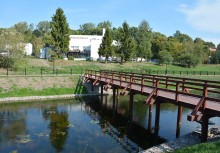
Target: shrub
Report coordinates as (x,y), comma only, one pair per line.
(6,62)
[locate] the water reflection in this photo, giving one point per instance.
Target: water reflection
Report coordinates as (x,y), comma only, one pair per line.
(87,126)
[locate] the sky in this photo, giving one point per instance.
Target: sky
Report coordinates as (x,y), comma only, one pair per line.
(196,18)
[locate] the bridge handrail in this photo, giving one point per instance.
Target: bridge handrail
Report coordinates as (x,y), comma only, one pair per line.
(165,80)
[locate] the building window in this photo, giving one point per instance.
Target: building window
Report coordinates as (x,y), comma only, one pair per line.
(75,47)
(86,48)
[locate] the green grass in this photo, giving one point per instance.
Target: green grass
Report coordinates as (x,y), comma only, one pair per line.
(33,67)
(22,92)
(211,147)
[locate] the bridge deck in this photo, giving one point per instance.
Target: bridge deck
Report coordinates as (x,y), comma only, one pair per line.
(212,105)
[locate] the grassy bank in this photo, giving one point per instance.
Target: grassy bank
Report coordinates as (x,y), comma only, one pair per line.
(40,86)
(45,67)
(211,147)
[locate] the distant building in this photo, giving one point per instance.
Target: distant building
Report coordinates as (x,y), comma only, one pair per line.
(85,46)
(28,49)
(212,49)
(44,52)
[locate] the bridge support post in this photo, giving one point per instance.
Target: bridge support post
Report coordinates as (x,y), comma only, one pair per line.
(92,86)
(205,127)
(131,103)
(101,93)
(117,92)
(157,118)
(150,117)
(179,119)
(114,98)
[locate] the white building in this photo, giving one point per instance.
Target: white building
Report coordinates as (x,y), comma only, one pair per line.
(28,49)
(85,46)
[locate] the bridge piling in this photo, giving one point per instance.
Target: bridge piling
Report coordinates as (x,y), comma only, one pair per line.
(131,104)
(101,92)
(205,126)
(179,119)
(157,118)
(150,117)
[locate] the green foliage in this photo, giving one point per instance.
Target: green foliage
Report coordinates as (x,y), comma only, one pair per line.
(158,43)
(164,57)
(60,31)
(144,38)
(106,45)
(126,43)
(188,60)
(70,58)
(6,62)
(211,147)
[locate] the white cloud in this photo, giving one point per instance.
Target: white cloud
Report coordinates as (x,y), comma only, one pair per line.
(204,16)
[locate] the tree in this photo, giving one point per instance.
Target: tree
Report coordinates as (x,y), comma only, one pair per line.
(158,43)
(105,24)
(88,28)
(60,32)
(24,29)
(11,42)
(106,45)
(144,38)
(37,45)
(164,57)
(126,43)
(43,27)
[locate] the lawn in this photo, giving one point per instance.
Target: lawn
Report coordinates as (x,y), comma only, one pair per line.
(45,67)
(211,147)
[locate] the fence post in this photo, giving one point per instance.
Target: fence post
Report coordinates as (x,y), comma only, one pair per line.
(56,71)
(41,71)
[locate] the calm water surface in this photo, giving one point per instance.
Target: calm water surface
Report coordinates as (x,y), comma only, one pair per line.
(86,125)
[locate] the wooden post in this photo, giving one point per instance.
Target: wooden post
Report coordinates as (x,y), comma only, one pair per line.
(114,97)
(179,119)
(131,103)
(157,118)
(101,93)
(150,117)
(117,93)
(205,127)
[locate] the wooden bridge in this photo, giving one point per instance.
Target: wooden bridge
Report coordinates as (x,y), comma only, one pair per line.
(199,95)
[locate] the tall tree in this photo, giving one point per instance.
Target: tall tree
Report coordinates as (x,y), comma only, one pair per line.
(43,27)
(60,31)
(126,42)
(105,24)
(106,45)
(11,42)
(24,29)
(144,38)
(158,43)
(89,29)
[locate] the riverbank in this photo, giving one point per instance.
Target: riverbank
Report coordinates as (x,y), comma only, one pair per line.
(39,98)
(187,140)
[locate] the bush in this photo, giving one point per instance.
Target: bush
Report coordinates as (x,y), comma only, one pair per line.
(188,60)
(6,62)
(70,58)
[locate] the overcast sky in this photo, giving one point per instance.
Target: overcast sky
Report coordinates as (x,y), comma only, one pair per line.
(196,18)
